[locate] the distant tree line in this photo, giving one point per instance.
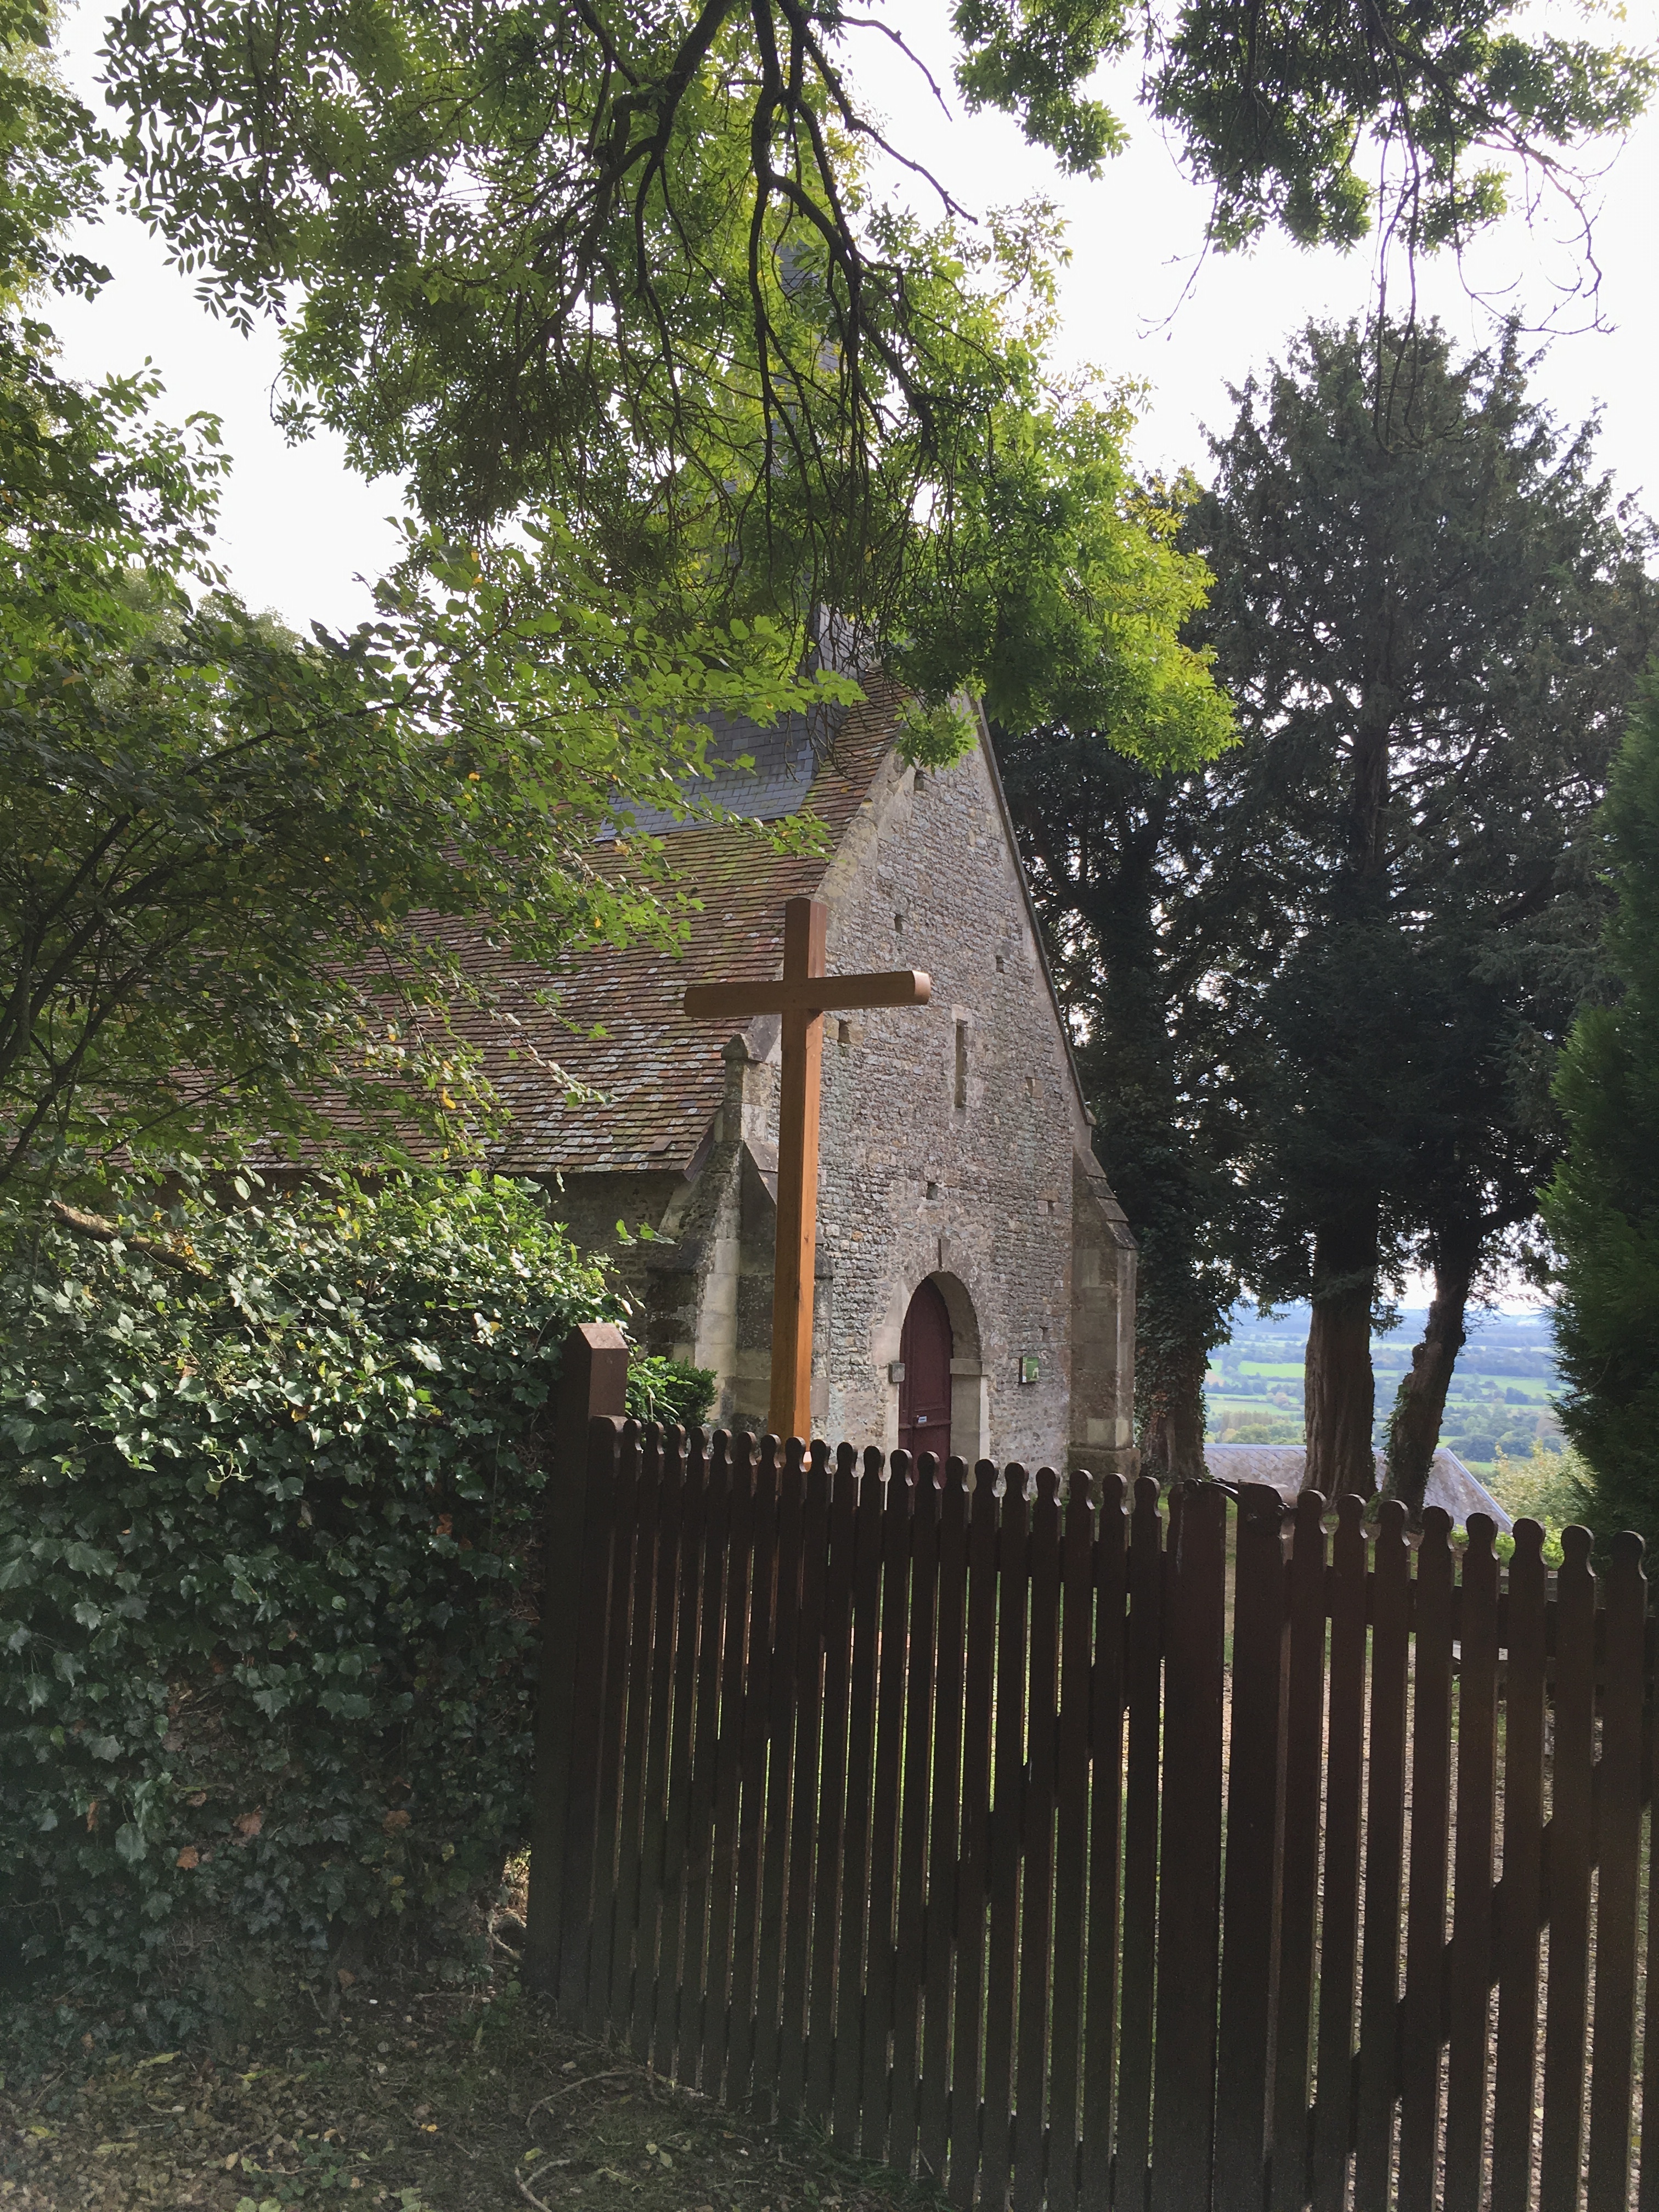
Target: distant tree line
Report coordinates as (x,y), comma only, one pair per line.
(1321,983)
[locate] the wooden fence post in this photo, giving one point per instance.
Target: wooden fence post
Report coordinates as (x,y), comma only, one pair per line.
(593,1383)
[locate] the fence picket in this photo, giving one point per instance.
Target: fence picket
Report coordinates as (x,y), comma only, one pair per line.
(598,1582)
(1521,1892)
(1107,1704)
(860,1770)
(974,1866)
(882,1939)
(1037,1827)
(832,1783)
(802,1783)
(1183,2118)
(910,1961)
(1133,2144)
(1259,1584)
(718,1996)
(623,1598)
(1305,1733)
(1619,1824)
(1007,1804)
(649,1916)
(755,1716)
(1379,1988)
(944,1842)
(1421,2015)
(1338,1924)
(1567,1864)
(1472,1907)
(635,1723)
(781,1752)
(1071,1843)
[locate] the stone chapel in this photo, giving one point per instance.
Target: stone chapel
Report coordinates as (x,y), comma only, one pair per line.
(975,1276)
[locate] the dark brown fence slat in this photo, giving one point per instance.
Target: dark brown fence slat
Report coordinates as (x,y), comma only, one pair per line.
(1107,1693)
(648,1977)
(974,1867)
(728,1769)
(609,1800)
(1183,2126)
(780,1775)
(1567,1866)
(803,1783)
(705,1757)
(1379,1991)
(1008,1783)
(1338,1924)
(752,1776)
(944,1843)
(581,1830)
(1471,1907)
(1618,1820)
(1521,1888)
(1259,1639)
(1037,1826)
(1647,2195)
(1304,1760)
(1140,1829)
(832,1801)
(885,1831)
(910,1962)
(1072,1842)
(676,1826)
(636,1725)
(860,1770)
(1426,1921)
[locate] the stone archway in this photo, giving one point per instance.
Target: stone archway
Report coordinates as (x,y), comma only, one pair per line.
(942,1310)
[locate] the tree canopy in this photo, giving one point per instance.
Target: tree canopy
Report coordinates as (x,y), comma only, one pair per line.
(629,263)
(1602,1207)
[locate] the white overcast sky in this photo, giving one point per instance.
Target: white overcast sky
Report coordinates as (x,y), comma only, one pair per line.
(298,530)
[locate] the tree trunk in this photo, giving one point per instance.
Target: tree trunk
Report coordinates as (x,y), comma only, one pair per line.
(1339,1392)
(1420,1402)
(1172,1427)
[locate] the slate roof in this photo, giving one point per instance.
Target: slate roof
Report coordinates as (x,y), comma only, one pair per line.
(1450,1483)
(661,1075)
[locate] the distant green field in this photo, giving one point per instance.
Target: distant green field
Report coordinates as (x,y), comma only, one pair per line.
(1500,1398)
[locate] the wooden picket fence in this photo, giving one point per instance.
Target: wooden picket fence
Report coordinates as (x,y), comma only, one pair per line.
(1078,1852)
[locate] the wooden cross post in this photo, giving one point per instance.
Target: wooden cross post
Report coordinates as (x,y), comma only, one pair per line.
(802,995)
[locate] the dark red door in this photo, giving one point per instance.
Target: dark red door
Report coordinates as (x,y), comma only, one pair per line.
(925,1391)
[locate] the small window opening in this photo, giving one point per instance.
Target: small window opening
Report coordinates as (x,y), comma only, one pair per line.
(843,1032)
(1000,963)
(932,1190)
(898,921)
(961,1063)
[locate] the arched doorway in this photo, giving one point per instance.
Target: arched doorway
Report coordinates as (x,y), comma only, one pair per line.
(924,1389)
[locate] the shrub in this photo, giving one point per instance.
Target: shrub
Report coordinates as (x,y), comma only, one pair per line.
(670,1390)
(267,1481)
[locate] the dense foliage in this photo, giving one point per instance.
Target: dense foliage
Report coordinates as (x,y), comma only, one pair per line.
(630,264)
(1603,1209)
(266,1486)
(1431,614)
(1319,983)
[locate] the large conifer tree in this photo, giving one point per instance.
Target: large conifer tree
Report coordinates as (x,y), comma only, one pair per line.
(1602,1208)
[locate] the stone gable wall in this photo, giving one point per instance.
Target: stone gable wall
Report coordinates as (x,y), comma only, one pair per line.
(914,1183)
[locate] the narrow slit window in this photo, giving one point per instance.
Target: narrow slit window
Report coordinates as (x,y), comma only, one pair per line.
(961,1063)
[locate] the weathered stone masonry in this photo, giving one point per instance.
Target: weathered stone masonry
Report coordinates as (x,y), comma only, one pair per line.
(954,1145)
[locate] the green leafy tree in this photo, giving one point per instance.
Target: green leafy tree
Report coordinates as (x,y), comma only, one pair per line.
(1115,850)
(1430,614)
(626,263)
(1602,1207)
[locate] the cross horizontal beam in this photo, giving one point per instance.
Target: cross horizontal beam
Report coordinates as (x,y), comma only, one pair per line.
(808,994)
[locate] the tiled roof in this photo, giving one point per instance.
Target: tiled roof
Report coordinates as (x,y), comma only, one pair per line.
(1450,1483)
(660,1075)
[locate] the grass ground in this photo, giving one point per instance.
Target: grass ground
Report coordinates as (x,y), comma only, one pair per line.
(415,2101)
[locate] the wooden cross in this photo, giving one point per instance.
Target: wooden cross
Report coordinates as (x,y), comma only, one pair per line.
(802,995)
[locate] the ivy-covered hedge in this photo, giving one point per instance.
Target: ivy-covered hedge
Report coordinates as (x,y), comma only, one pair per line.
(267,1482)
